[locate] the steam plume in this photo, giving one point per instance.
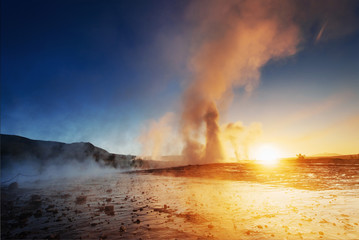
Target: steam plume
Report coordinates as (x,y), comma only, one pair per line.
(239,38)
(230,41)
(241,137)
(156,137)
(231,132)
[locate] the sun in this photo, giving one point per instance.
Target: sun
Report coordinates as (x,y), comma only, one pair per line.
(267,154)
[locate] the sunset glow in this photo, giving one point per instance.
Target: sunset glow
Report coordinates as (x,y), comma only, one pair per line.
(267,154)
(181,119)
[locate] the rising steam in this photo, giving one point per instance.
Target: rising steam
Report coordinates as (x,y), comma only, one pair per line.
(158,138)
(240,37)
(241,137)
(231,40)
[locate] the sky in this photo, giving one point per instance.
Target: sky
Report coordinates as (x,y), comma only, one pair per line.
(115,73)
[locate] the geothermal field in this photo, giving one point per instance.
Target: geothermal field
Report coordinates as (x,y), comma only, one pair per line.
(98,195)
(179,119)
(291,200)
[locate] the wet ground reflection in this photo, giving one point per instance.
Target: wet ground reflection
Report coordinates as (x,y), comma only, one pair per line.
(220,201)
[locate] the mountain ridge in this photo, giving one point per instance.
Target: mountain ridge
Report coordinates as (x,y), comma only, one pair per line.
(16,148)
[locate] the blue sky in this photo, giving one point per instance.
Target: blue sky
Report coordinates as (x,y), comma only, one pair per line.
(98,71)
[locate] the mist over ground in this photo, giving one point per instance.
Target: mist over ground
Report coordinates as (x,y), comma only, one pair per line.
(179,119)
(24,159)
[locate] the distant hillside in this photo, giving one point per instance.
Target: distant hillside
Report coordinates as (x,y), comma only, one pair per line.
(337,159)
(325,155)
(341,157)
(16,149)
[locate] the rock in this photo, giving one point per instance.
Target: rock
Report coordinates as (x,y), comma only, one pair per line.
(210,226)
(23,234)
(35,200)
(13,186)
(248,232)
(65,196)
(38,214)
(122,229)
(138,221)
(81,199)
(102,236)
(53,236)
(52,209)
(23,217)
(109,210)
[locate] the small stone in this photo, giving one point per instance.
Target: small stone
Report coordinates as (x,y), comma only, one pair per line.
(64,196)
(53,236)
(81,199)
(38,214)
(35,200)
(102,236)
(109,210)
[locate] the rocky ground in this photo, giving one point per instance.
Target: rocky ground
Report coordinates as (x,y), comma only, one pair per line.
(156,206)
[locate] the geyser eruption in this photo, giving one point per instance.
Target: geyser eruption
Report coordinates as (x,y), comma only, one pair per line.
(241,137)
(213,146)
(237,39)
(230,41)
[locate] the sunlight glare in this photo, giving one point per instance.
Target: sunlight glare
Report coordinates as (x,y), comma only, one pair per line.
(267,154)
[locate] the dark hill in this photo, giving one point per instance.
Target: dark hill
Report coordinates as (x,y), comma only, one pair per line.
(16,149)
